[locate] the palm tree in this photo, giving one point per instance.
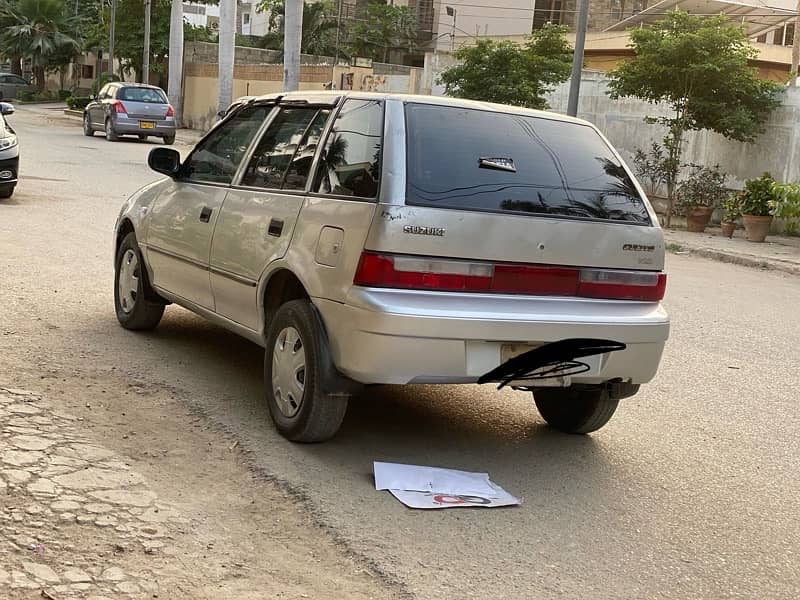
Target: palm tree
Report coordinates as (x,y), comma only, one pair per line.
(319,28)
(37,31)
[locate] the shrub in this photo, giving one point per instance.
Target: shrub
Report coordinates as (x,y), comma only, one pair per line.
(25,95)
(704,186)
(78,102)
(732,207)
(757,196)
(64,94)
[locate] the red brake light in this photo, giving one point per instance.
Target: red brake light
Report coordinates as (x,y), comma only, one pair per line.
(423,273)
(119,107)
(170,111)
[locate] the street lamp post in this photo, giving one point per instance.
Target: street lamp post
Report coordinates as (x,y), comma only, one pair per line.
(111,36)
(146,57)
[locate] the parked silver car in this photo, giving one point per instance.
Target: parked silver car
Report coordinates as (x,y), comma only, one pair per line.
(130,109)
(11,85)
(380,239)
(9,153)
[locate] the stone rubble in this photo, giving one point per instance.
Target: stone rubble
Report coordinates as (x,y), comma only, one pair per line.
(61,497)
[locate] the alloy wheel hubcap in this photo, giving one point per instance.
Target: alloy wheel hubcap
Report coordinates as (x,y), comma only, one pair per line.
(128,280)
(288,371)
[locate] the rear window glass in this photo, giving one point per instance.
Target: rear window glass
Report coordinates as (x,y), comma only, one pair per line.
(132,94)
(486,161)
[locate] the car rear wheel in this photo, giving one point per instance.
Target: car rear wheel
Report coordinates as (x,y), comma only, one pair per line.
(87,126)
(132,291)
(300,408)
(576,409)
(142,137)
(6,191)
(111,135)
(169,140)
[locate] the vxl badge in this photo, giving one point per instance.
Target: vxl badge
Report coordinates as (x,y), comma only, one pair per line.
(419,230)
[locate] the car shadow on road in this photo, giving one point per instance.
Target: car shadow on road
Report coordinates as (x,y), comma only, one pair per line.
(469,427)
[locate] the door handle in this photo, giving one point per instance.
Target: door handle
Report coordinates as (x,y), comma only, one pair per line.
(275,227)
(205,214)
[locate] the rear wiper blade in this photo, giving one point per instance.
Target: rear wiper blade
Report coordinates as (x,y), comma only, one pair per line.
(556,359)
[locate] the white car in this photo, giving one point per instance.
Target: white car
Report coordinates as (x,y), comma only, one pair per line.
(382,239)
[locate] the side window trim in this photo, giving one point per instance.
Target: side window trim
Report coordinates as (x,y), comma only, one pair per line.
(299,145)
(326,132)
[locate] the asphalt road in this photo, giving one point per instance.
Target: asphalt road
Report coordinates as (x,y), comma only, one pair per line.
(691,491)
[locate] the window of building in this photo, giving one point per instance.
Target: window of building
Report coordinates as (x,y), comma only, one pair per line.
(87,72)
(762,39)
(550,11)
(246,19)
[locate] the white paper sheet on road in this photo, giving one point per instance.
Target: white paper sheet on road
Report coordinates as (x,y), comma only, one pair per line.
(434,487)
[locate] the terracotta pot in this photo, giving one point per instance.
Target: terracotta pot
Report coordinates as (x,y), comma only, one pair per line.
(697,217)
(728,228)
(756,228)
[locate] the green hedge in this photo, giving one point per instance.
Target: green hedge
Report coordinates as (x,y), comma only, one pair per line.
(78,102)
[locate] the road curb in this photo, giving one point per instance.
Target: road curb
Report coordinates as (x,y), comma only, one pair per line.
(736,259)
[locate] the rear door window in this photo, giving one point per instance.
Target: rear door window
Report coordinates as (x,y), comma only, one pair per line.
(284,154)
(480,160)
(350,164)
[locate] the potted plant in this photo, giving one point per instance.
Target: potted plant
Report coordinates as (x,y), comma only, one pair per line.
(785,204)
(698,194)
(731,212)
(756,205)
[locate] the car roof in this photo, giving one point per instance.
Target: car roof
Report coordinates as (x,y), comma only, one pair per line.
(331,96)
(135,85)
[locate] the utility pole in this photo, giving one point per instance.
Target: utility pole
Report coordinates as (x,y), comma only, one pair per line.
(111,35)
(796,45)
(451,12)
(146,57)
(175,83)
(336,54)
(577,58)
(227,51)
(292,38)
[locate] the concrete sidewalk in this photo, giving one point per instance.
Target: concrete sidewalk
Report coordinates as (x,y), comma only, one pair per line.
(779,253)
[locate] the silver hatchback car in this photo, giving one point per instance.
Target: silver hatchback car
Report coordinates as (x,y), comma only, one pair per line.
(383,239)
(130,109)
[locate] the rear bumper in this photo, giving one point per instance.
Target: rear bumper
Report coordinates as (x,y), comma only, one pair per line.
(128,126)
(398,337)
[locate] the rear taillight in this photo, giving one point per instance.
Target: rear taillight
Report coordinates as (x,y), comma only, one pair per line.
(170,111)
(421,273)
(119,107)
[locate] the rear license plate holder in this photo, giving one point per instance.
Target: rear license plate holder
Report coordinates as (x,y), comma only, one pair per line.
(509,351)
(147,124)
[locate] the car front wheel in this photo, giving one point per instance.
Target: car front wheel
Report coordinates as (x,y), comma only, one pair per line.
(132,291)
(300,408)
(576,409)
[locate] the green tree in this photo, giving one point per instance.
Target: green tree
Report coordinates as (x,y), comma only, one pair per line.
(509,73)
(699,67)
(40,30)
(319,27)
(129,42)
(380,28)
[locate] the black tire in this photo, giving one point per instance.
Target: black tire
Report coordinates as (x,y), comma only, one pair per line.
(576,409)
(142,137)
(145,313)
(6,191)
(318,415)
(111,135)
(169,140)
(87,126)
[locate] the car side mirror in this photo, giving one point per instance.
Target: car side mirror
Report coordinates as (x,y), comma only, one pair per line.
(165,161)
(6,108)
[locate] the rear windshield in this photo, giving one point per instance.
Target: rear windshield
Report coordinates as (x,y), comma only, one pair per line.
(486,161)
(150,95)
